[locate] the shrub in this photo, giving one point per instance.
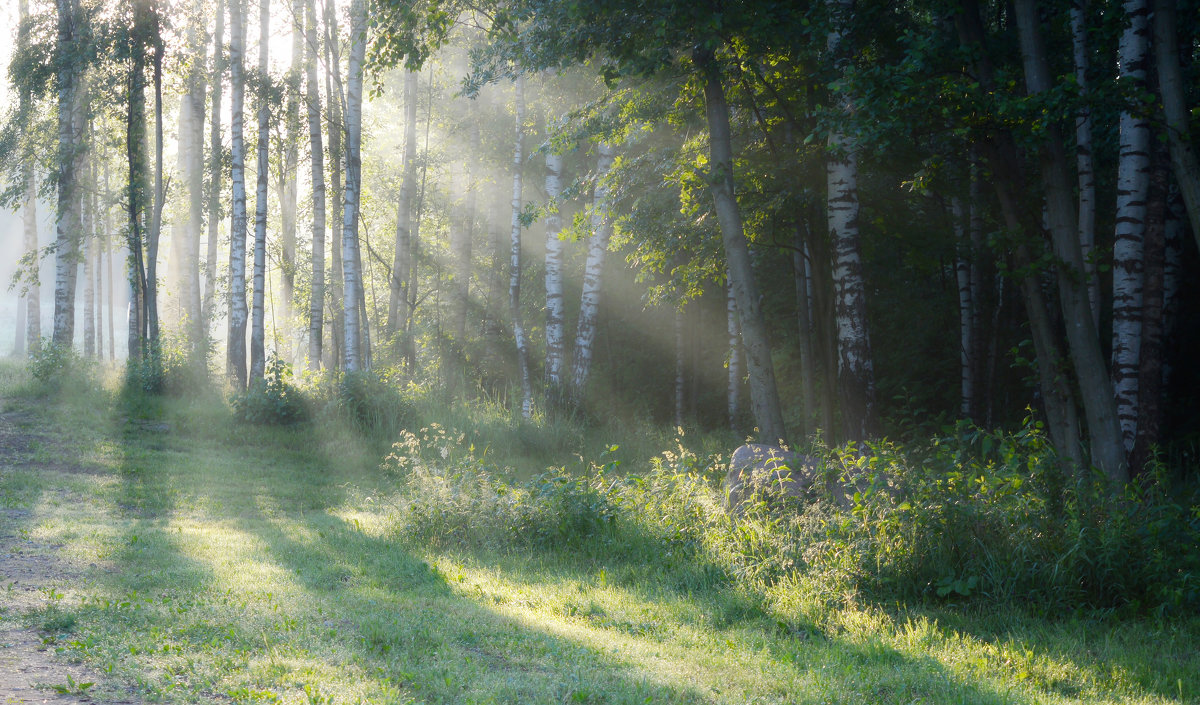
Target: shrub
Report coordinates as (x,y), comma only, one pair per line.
(54,365)
(374,403)
(273,400)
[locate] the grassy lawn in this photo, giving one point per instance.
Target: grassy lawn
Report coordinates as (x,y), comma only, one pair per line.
(232,563)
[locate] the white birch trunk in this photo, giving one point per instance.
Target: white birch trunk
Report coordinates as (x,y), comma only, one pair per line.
(215,165)
(316,309)
(258,359)
(33,293)
(554,282)
(89,276)
(1083,157)
(856,375)
(194,103)
(1132,184)
(514,269)
(291,159)
(351,272)
(334,129)
(70,167)
(237,235)
(593,275)
(31,306)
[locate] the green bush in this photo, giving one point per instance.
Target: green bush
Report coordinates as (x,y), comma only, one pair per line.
(375,403)
(273,400)
(54,366)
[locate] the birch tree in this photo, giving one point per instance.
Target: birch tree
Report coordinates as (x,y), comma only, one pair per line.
(1099,408)
(192,106)
(554,284)
(236,350)
(71,156)
(316,309)
(350,262)
(514,269)
(290,172)
(856,376)
(593,274)
(258,358)
(1132,183)
(215,170)
(1083,155)
(32,303)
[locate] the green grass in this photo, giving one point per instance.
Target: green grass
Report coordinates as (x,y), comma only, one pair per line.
(227,562)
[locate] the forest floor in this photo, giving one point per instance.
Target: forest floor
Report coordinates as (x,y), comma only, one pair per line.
(166,553)
(32,577)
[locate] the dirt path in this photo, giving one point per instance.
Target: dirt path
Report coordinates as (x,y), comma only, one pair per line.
(30,669)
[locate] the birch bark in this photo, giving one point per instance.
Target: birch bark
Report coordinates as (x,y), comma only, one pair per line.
(316,309)
(351,269)
(1083,156)
(514,269)
(71,154)
(215,170)
(236,350)
(258,359)
(1132,183)
(593,275)
(554,283)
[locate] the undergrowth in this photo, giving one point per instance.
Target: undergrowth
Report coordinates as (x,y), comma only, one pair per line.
(971,517)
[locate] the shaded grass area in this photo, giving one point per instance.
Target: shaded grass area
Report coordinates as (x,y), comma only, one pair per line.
(235,563)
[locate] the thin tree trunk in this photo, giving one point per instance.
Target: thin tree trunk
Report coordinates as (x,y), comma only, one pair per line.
(71,157)
(333,63)
(1083,156)
(554,284)
(966,310)
(1184,162)
(236,366)
(1108,453)
(291,160)
(514,276)
(111,247)
(137,197)
(593,275)
(193,103)
(680,381)
(401,263)
(31,324)
(316,309)
(764,396)
(466,229)
(215,168)
(1150,372)
(733,394)
(1053,379)
(1132,183)
(97,310)
(258,359)
(856,377)
(351,267)
(33,291)
(154,232)
(89,267)
(804,330)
